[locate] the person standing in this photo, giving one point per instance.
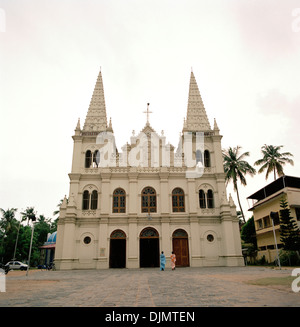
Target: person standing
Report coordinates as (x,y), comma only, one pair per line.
(173,260)
(162,261)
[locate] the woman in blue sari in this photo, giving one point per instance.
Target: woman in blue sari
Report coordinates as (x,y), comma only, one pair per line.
(162,261)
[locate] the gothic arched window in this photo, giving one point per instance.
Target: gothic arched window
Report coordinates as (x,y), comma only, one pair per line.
(96,158)
(206,158)
(88,159)
(178,200)
(119,201)
(148,199)
(210,199)
(94,200)
(85,200)
(199,157)
(202,200)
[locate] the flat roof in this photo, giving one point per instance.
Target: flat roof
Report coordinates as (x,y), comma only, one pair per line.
(279,184)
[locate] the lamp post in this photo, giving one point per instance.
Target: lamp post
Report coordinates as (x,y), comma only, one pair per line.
(273,216)
(33,218)
(14,257)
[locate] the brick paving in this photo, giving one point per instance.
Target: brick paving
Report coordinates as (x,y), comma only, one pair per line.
(148,287)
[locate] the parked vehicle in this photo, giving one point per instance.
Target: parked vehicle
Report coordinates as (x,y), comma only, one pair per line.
(17,265)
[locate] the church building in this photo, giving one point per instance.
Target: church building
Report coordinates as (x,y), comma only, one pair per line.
(127,205)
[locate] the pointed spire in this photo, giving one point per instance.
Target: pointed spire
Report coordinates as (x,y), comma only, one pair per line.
(64,203)
(77,129)
(196,119)
(109,128)
(231,202)
(78,125)
(96,119)
(215,125)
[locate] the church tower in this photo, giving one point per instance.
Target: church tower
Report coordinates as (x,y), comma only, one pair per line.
(127,205)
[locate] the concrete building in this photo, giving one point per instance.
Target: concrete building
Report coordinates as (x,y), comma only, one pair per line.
(127,205)
(267,200)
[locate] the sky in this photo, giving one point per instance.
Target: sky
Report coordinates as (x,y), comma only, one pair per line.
(245,56)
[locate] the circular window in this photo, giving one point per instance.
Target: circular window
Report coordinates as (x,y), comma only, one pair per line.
(210,238)
(87,240)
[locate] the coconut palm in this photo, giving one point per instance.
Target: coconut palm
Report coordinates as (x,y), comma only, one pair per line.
(236,168)
(273,160)
(28,214)
(8,217)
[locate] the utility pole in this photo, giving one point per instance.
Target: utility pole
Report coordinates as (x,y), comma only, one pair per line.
(273,215)
(33,218)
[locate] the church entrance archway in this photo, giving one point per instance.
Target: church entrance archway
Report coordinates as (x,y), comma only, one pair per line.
(117,256)
(149,248)
(181,248)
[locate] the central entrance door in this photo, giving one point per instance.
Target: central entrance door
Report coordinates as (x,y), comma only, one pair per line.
(117,256)
(181,248)
(149,248)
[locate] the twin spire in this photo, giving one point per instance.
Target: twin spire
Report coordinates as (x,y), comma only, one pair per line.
(196,118)
(96,120)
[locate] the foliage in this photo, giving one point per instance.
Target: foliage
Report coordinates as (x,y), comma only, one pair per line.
(273,160)
(8,236)
(289,230)
(7,220)
(262,260)
(236,168)
(248,234)
(289,258)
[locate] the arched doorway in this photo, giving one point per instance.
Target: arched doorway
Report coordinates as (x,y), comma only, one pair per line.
(149,248)
(117,256)
(181,247)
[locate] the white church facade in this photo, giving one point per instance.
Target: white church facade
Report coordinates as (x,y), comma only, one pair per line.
(127,205)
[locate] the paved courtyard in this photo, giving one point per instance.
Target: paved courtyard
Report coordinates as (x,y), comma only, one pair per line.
(149,287)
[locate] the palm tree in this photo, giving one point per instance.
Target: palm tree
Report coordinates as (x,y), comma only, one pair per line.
(236,168)
(7,222)
(28,214)
(8,217)
(273,160)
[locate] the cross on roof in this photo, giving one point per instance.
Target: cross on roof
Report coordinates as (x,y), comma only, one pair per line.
(147,112)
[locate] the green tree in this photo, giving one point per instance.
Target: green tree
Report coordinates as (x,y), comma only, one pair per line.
(236,168)
(289,230)
(248,234)
(273,160)
(28,214)
(8,219)
(7,227)
(41,229)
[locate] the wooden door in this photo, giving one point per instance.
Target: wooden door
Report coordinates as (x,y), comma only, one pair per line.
(181,250)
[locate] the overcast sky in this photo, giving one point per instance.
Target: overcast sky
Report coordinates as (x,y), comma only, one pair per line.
(245,56)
